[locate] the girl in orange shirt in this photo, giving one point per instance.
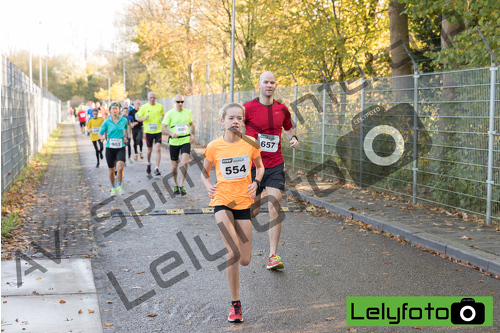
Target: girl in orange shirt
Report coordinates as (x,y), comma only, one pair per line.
(233,193)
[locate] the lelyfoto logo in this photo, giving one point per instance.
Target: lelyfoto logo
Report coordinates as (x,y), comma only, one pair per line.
(420,311)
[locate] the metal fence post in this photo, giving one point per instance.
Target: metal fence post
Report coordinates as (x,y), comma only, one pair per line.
(323,129)
(415,125)
(201,120)
(491,137)
(295,87)
(415,135)
(238,95)
(361,130)
(295,123)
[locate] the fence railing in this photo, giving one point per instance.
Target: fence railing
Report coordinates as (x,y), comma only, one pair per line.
(29,115)
(451,134)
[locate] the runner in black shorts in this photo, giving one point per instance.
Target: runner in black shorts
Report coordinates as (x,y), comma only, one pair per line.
(265,119)
(116,129)
(151,114)
(137,132)
(178,125)
(175,150)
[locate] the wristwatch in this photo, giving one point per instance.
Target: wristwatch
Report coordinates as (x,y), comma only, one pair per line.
(294,136)
(258,182)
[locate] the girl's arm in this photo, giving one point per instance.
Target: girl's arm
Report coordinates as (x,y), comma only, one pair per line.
(252,188)
(205,178)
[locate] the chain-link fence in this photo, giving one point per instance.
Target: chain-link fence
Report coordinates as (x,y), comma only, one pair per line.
(29,115)
(451,150)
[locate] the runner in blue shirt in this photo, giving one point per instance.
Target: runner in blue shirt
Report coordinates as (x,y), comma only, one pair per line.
(116,129)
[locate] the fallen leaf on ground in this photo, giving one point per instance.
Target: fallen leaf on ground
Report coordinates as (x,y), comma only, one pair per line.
(108,324)
(62,301)
(80,311)
(91,311)
(152,315)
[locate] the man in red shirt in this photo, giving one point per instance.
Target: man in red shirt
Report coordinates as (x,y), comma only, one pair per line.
(265,118)
(82,117)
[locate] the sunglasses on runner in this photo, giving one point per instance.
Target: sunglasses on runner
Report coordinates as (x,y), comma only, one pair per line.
(179,102)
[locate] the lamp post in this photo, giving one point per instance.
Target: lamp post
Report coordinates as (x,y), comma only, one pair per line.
(109,86)
(231,85)
(123,58)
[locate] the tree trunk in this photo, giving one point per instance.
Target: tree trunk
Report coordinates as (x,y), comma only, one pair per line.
(401,63)
(448,94)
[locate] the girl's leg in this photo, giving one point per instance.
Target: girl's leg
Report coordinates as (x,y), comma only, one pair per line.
(244,232)
(225,222)
(119,167)
(112,176)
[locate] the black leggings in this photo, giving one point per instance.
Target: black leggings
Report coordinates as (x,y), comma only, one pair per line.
(129,149)
(98,151)
(137,136)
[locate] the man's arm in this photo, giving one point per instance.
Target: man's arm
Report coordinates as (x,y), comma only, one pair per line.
(292,136)
(165,130)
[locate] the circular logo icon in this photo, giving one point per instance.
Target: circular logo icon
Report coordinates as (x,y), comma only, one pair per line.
(368,145)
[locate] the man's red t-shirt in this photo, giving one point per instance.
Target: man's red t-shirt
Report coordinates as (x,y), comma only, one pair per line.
(265,123)
(82,116)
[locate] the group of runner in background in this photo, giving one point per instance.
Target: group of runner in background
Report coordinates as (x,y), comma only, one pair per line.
(245,164)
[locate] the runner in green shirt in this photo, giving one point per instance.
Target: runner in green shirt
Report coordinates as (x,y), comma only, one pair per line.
(151,115)
(178,125)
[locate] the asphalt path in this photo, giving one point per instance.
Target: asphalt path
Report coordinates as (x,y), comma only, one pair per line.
(161,273)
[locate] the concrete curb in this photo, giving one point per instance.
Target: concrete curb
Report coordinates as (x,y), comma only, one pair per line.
(488,262)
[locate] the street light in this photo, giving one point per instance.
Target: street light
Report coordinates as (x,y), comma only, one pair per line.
(231,85)
(109,86)
(123,58)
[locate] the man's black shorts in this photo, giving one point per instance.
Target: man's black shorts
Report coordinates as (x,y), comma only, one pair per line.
(273,177)
(114,155)
(152,137)
(239,214)
(174,151)
(83,123)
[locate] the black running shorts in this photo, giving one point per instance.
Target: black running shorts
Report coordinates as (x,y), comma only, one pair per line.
(273,177)
(152,137)
(114,155)
(174,151)
(239,214)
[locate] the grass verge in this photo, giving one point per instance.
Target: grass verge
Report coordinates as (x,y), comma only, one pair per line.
(22,191)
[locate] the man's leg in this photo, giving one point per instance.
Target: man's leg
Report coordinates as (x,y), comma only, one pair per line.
(175,164)
(150,151)
(255,208)
(158,154)
(274,203)
(184,167)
